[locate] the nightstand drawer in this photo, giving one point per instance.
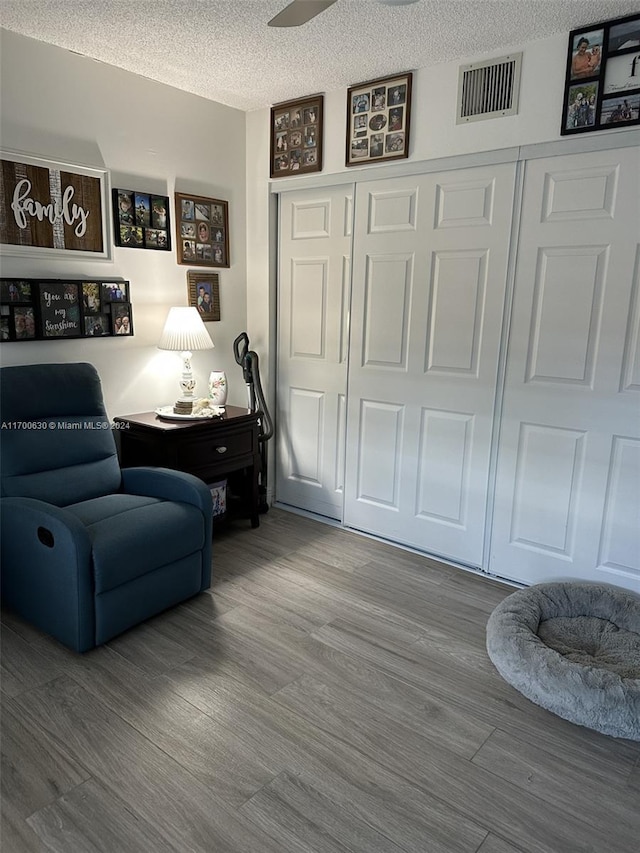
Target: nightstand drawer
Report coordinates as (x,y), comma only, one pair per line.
(214,450)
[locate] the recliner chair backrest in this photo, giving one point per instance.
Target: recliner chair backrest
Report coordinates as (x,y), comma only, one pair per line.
(56,443)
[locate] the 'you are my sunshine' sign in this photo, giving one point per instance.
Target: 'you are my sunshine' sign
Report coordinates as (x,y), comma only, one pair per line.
(46,206)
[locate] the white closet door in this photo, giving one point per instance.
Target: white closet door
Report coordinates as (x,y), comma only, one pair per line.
(568,487)
(313,300)
(429,274)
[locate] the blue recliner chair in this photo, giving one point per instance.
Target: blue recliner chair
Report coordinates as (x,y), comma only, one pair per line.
(89,550)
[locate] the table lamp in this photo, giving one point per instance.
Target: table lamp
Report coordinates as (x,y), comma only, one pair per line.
(185,332)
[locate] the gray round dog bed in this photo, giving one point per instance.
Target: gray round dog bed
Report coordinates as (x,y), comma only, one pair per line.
(574,649)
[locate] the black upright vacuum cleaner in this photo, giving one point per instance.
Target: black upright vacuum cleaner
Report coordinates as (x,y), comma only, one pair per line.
(250,364)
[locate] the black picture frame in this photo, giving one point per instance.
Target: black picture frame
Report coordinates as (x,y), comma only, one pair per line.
(379,120)
(141,220)
(296,137)
(602,78)
(121,319)
(62,309)
(202,230)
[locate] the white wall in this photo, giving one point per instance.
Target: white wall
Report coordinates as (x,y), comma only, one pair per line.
(151,137)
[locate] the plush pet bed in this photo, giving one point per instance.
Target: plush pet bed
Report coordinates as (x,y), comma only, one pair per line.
(574,649)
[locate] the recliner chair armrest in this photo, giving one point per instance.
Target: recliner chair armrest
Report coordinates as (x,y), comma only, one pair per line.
(171,485)
(168,484)
(47,573)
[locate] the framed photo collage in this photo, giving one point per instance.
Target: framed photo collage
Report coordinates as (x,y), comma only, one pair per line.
(602,85)
(202,230)
(296,137)
(141,220)
(55,309)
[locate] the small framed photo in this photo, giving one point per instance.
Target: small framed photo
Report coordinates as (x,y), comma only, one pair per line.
(113,291)
(296,137)
(379,120)
(13,290)
(5,323)
(121,319)
(97,325)
(602,82)
(91,301)
(204,294)
(202,231)
(141,220)
(24,322)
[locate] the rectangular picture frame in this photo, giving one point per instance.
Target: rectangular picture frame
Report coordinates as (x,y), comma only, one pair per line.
(602,78)
(202,230)
(121,319)
(50,209)
(203,292)
(62,309)
(59,309)
(379,120)
(296,137)
(141,220)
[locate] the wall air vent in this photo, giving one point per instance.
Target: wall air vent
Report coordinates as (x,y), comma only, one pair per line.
(489,89)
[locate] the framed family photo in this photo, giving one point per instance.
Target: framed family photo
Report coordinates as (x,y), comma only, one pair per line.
(296,137)
(378,120)
(204,294)
(602,83)
(202,230)
(141,220)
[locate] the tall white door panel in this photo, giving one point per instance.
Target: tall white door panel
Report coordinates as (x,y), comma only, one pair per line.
(313,306)
(568,479)
(429,277)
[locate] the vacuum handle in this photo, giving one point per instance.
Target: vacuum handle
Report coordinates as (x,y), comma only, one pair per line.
(240,350)
(240,355)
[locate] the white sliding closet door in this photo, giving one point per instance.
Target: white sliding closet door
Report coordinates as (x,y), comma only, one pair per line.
(313,306)
(429,276)
(568,487)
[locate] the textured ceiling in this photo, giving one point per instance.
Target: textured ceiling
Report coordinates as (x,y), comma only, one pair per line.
(225,51)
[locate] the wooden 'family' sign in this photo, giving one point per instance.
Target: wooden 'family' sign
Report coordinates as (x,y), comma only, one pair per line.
(49,208)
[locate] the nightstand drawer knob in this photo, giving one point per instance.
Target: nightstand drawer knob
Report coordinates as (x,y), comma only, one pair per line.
(221,449)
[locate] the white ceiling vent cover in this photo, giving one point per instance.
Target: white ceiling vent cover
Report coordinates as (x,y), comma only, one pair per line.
(489,89)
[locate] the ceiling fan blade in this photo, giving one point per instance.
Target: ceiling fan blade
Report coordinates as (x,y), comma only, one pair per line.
(299,12)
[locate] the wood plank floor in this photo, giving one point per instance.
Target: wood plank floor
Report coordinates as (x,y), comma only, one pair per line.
(329,694)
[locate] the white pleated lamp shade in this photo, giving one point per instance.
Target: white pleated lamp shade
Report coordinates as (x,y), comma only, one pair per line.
(184,331)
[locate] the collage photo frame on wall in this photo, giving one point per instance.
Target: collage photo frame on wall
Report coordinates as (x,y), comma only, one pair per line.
(57,309)
(141,220)
(379,120)
(602,85)
(202,230)
(296,137)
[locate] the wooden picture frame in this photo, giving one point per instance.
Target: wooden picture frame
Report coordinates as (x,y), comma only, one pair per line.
(141,220)
(50,209)
(202,230)
(602,79)
(296,137)
(203,291)
(62,309)
(379,120)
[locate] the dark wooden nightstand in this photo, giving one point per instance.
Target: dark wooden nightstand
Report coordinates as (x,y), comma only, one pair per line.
(211,449)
